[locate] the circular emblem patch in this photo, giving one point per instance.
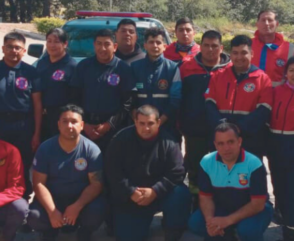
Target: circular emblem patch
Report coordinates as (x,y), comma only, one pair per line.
(21,83)
(81,164)
(113,79)
(280,62)
(243,179)
(162,84)
(249,87)
(58,75)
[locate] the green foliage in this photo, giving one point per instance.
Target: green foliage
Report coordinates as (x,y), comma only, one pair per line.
(45,24)
(74,5)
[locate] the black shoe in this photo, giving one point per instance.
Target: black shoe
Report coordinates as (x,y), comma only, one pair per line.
(288,233)
(84,234)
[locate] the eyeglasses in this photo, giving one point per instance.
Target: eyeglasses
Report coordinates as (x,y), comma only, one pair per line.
(15,48)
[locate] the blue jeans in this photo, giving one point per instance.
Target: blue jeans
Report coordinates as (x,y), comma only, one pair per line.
(248,229)
(134,225)
(12,216)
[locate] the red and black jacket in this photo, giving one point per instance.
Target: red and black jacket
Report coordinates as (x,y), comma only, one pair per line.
(245,100)
(281,143)
(195,79)
(180,57)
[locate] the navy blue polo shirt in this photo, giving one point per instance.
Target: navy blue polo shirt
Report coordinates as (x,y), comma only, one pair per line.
(103,85)
(67,173)
(16,87)
(232,189)
(55,78)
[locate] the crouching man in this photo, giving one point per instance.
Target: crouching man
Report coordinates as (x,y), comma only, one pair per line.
(144,167)
(67,180)
(13,208)
(233,191)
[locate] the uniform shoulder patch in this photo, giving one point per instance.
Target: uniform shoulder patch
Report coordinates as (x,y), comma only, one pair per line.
(58,75)
(113,79)
(249,87)
(81,164)
(280,62)
(162,84)
(21,83)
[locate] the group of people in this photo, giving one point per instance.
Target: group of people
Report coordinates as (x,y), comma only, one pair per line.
(133,108)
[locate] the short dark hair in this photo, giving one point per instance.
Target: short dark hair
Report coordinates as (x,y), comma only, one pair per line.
(154,32)
(289,62)
(15,36)
(241,40)
(147,110)
(212,34)
(59,33)
(267,11)
(183,21)
(126,21)
(72,108)
(224,127)
(105,33)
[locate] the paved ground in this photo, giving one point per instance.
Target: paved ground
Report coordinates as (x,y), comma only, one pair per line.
(273,233)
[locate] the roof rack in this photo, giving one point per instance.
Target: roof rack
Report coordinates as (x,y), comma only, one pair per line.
(86,13)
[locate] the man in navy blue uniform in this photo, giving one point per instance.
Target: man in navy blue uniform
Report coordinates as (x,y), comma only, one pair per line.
(158,80)
(20,101)
(67,180)
(102,84)
(144,167)
(233,191)
(56,70)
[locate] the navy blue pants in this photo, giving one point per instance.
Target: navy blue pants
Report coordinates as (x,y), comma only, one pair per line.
(134,225)
(20,133)
(12,216)
(91,217)
(248,229)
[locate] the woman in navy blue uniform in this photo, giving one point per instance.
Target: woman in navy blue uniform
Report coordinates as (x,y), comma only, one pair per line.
(56,70)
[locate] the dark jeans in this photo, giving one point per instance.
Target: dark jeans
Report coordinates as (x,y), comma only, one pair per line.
(91,217)
(196,148)
(134,225)
(12,216)
(248,229)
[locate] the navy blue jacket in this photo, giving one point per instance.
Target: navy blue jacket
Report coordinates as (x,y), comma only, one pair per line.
(195,79)
(158,83)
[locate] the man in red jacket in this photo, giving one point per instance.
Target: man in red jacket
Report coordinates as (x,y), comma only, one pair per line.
(271,51)
(185,47)
(13,208)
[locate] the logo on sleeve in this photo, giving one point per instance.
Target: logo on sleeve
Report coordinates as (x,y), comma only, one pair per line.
(280,62)
(58,75)
(162,84)
(81,164)
(249,87)
(21,83)
(2,162)
(243,179)
(113,79)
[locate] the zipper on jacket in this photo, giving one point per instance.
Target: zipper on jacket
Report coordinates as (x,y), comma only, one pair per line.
(234,100)
(277,113)
(286,112)
(228,87)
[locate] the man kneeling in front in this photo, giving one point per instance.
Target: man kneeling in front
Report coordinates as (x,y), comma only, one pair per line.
(144,167)
(233,191)
(67,180)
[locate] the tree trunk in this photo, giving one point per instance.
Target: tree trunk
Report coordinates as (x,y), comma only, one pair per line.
(13,11)
(46,8)
(29,11)
(22,10)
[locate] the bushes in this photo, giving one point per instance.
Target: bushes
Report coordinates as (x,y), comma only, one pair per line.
(45,24)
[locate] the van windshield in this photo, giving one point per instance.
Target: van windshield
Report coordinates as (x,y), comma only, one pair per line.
(80,40)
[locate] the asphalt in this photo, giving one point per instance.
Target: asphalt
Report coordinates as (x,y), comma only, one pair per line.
(273,233)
